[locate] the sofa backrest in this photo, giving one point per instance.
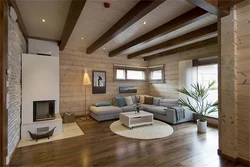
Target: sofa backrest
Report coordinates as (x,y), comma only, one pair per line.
(169,102)
(157,101)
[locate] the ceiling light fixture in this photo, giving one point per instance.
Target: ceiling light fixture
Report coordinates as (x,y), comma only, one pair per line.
(103,48)
(144,22)
(43,20)
(81,38)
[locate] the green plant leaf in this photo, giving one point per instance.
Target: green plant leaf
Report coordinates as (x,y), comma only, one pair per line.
(199,94)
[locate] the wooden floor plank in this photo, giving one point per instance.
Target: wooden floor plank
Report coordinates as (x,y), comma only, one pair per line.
(101,147)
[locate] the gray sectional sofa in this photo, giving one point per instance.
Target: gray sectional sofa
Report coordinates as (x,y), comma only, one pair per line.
(162,109)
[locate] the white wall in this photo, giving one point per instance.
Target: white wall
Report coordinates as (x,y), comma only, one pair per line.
(40,81)
(39,46)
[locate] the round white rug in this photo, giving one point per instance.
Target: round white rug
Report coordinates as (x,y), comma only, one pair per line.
(157,130)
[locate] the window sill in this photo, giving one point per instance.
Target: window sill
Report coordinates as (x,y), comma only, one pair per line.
(130,81)
(156,82)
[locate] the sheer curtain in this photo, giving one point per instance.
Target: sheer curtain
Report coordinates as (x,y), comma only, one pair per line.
(187,75)
(203,74)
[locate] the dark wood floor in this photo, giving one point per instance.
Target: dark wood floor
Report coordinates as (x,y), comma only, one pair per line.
(100,147)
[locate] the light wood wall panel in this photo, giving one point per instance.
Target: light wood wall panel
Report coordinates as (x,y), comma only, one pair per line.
(243,78)
(72,64)
(168,89)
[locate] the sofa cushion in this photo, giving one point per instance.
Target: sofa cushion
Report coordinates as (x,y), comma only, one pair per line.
(146,106)
(120,101)
(158,110)
(105,110)
(129,100)
(128,108)
(102,104)
(157,101)
(149,100)
(169,102)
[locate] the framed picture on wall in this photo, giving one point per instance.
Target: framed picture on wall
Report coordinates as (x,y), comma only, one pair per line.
(99,82)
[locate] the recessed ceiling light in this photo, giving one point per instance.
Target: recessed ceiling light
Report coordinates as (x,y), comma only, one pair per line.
(103,48)
(81,38)
(43,20)
(144,22)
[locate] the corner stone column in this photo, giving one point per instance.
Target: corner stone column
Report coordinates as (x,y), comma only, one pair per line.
(228,85)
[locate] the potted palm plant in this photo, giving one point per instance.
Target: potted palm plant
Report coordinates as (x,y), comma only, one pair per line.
(197,102)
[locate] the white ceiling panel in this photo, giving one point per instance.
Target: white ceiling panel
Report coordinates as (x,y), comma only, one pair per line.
(95,20)
(53,11)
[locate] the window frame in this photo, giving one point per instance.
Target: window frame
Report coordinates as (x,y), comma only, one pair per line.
(156,68)
(126,68)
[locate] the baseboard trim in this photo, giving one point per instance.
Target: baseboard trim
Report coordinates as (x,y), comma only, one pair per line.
(221,154)
(80,116)
(9,158)
(243,161)
(235,160)
(212,125)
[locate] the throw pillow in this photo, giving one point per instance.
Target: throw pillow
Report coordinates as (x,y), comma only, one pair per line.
(157,101)
(129,100)
(121,101)
(133,98)
(142,98)
(149,100)
(102,104)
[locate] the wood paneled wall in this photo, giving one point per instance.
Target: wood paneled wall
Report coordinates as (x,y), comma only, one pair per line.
(168,89)
(72,64)
(243,78)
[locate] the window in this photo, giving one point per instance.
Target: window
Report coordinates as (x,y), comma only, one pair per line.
(130,73)
(207,74)
(135,75)
(120,74)
(156,74)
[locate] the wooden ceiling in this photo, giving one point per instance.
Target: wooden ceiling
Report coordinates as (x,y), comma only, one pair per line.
(145,28)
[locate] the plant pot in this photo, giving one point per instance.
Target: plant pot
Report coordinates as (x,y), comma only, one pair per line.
(201,126)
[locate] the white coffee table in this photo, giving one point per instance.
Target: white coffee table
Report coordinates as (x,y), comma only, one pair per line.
(130,119)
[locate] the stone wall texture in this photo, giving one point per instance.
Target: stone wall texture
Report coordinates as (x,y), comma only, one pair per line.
(17,46)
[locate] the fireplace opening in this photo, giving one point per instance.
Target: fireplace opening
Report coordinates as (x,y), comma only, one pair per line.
(43,110)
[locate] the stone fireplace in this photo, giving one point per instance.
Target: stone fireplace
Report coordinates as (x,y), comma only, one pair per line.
(43,110)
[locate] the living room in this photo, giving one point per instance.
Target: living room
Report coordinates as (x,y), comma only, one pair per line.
(114,78)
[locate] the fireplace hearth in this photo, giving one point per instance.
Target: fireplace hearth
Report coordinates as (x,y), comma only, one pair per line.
(43,110)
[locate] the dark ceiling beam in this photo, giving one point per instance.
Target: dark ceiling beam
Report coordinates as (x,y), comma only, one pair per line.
(197,45)
(211,6)
(179,22)
(19,19)
(178,40)
(142,8)
(224,4)
(73,15)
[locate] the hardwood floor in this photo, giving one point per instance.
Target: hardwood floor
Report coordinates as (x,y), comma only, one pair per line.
(100,147)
